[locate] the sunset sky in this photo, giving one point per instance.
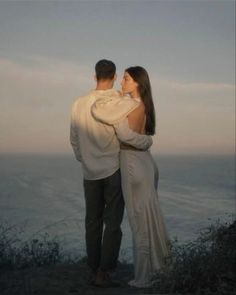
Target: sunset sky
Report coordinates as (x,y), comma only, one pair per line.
(48,50)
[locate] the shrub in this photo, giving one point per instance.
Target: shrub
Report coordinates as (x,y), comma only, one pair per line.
(15,254)
(204,266)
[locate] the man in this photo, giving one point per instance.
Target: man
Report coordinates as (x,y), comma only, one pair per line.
(97,147)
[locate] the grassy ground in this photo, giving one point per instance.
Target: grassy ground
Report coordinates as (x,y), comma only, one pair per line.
(61,279)
(204,266)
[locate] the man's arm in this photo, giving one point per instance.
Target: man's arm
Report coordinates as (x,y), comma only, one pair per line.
(114,111)
(74,138)
(128,136)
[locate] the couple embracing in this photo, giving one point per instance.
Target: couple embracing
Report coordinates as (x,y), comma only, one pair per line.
(111,136)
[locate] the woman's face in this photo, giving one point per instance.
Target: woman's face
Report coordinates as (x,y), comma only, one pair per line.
(128,84)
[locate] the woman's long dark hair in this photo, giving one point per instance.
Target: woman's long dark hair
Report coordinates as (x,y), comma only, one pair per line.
(140,76)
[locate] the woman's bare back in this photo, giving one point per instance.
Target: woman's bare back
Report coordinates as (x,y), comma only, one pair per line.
(137,119)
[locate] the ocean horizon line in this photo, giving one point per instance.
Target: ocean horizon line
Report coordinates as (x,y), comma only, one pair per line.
(156,154)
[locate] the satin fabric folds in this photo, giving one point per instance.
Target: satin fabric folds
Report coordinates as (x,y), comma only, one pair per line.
(150,241)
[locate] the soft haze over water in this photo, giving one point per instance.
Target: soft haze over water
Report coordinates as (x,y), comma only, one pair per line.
(45,194)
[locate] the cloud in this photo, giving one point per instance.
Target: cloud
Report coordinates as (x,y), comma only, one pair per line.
(36,95)
(179,87)
(202,87)
(40,81)
(35,100)
(199,87)
(194,117)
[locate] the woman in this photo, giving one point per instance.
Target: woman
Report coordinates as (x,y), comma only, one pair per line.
(139,182)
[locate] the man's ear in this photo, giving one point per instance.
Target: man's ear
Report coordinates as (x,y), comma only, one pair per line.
(95,78)
(115,77)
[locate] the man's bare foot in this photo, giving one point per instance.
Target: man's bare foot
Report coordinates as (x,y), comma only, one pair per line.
(103,280)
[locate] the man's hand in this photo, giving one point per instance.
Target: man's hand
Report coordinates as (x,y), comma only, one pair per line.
(120,92)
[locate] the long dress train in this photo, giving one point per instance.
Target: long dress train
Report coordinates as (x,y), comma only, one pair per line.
(150,241)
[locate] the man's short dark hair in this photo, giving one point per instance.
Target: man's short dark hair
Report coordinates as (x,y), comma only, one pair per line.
(105,69)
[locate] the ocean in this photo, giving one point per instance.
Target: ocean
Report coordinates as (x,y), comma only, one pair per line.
(44,194)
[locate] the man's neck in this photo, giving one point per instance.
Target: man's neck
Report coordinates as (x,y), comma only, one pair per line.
(104,85)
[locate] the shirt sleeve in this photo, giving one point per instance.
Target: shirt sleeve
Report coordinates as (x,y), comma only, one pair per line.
(128,136)
(111,110)
(74,136)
